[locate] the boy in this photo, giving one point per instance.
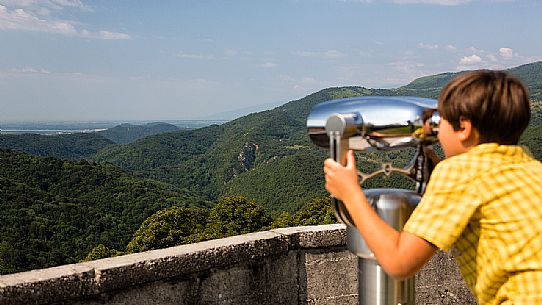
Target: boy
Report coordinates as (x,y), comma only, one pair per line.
(485,198)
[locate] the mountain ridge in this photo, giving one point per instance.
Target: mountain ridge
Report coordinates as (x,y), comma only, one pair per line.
(275,139)
(530,74)
(126,133)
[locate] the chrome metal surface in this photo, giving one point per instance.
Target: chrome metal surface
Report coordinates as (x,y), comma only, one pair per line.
(394,206)
(377,288)
(380,122)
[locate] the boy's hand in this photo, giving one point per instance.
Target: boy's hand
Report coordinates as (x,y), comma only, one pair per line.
(401,254)
(342,181)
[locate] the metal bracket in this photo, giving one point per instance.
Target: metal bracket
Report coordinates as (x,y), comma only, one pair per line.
(417,170)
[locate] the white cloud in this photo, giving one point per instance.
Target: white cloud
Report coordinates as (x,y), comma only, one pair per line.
(503,58)
(46,5)
(422,45)
(72,3)
(359,1)
(185,55)
(23,19)
(450,47)
(309,82)
(112,35)
(506,52)
(428,46)
(333,54)
(433,2)
(470,60)
(268,65)
(392,74)
(206,40)
(407,67)
(30,70)
(475,50)
(329,54)
(492,57)
(306,54)
(475,61)
(230,52)
(305,84)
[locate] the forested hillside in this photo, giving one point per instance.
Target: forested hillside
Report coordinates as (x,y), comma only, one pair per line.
(215,159)
(266,156)
(532,138)
(176,157)
(54,212)
(67,146)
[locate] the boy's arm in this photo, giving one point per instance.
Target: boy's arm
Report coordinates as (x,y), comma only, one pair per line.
(401,254)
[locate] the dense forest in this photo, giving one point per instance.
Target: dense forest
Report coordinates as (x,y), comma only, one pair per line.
(66,146)
(54,211)
(77,197)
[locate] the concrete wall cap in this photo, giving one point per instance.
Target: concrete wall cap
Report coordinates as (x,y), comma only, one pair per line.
(321,236)
(41,275)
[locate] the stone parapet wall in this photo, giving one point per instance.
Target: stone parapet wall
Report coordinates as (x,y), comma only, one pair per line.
(302,265)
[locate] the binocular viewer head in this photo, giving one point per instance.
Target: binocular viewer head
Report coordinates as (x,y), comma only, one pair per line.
(375,122)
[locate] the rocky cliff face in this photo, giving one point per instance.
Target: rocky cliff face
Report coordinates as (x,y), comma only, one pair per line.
(246,158)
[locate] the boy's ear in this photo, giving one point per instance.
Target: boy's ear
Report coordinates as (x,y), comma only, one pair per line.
(466,131)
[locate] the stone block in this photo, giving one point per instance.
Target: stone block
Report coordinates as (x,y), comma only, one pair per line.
(154,293)
(328,277)
(440,282)
(270,281)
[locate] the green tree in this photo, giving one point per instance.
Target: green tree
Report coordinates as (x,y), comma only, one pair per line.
(284,220)
(318,211)
(6,258)
(234,215)
(169,227)
(101,251)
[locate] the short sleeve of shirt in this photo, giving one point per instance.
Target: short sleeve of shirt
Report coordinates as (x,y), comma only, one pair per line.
(447,206)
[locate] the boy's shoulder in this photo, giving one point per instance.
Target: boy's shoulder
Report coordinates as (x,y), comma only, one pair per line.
(491,154)
(482,161)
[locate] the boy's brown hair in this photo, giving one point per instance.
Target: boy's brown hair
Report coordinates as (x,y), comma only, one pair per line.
(496,103)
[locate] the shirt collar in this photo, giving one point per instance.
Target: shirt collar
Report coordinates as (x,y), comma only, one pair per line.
(505,150)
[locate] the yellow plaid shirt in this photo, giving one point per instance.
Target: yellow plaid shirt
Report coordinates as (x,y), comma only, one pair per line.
(488,204)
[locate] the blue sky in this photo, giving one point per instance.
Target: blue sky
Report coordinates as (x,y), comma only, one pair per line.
(184,59)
